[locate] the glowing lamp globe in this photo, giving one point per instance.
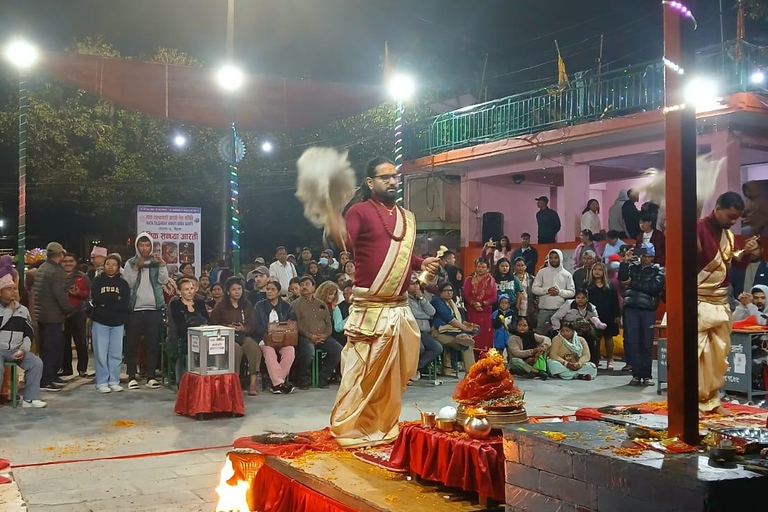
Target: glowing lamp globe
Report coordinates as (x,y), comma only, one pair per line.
(230,78)
(21,54)
(401,87)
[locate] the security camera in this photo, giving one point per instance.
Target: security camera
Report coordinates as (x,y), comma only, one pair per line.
(518,178)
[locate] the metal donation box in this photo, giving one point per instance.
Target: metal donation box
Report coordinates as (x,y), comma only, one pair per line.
(211,350)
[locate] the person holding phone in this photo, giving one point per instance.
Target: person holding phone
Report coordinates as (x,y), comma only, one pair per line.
(235,311)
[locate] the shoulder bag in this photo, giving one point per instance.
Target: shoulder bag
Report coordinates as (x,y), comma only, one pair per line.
(282,334)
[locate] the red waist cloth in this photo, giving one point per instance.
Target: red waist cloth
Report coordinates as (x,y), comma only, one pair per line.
(591,413)
(272,491)
(455,461)
(200,394)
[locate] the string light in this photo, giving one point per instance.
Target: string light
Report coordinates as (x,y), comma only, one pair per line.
(674,67)
(683,10)
(234,195)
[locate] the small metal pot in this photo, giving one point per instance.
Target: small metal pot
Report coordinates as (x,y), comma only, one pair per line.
(722,453)
(444,424)
(477,426)
(428,419)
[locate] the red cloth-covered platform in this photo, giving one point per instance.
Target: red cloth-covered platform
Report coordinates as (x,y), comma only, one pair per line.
(452,459)
(205,394)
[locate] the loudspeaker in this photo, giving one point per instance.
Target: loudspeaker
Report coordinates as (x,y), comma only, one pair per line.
(493,226)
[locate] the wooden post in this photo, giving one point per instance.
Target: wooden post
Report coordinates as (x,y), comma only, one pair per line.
(680,163)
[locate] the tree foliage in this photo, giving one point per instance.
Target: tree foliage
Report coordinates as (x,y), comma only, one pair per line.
(90,164)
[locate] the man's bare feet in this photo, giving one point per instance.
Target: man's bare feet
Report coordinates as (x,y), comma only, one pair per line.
(722,411)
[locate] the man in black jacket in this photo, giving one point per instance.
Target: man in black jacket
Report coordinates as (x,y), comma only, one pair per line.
(644,283)
(529,253)
(51,309)
(631,214)
(548,221)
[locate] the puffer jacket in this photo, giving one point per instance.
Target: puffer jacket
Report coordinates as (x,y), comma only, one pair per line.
(51,299)
(644,290)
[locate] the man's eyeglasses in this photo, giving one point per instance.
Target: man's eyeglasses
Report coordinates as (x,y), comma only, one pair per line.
(388,177)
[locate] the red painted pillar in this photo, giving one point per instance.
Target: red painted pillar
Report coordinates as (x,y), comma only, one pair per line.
(680,164)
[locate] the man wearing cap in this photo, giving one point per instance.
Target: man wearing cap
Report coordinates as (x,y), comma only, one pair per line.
(643,282)
(98,257)
(16,340)
(548,221)
(51,309)
(146,273)
(282,269)
(257,293)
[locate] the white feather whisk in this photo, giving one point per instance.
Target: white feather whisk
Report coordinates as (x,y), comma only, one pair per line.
(325,184)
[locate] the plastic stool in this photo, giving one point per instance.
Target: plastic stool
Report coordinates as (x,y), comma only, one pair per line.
(14,382)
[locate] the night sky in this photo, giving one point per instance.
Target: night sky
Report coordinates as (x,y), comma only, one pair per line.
(342,40)
(444,43)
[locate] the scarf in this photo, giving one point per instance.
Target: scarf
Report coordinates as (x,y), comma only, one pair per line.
(574,345)
(529,339)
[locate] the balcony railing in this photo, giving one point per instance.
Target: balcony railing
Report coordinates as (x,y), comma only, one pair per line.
(589,97)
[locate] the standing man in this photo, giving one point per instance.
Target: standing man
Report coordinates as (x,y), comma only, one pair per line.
(315,327)
(283,269)
(643,282)
(79,289)
(146,274)
(98,257)
(650,235)
(554,285)
(304,258)
(715,255)
(51,309)
(548,221)
(382,350)
(529,253)
(631,215)
(583,275)
(616,217)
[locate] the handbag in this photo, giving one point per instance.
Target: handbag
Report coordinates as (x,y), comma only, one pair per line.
(282,334)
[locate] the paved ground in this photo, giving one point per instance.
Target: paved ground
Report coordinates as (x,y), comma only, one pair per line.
(80,423)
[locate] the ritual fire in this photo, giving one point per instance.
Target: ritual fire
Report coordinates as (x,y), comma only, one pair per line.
(232,498)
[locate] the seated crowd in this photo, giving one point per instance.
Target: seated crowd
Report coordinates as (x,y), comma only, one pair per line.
(546,320)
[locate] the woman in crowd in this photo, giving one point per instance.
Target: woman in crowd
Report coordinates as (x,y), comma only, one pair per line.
(235,311)
(294,289)
(479,296)
(328,294)
(586,244)
(507,283)
(569,356)
(584,317)
(111,297)
(186,312)
(526,304)
(495,251)
(528,351)
(449,329)
(216,294)
(313,269)
(271,310)
(502,316)
(349,271)
(456,278)
(605,298)
(590,217)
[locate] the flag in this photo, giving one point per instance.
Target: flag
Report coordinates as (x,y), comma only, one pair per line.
(562,75)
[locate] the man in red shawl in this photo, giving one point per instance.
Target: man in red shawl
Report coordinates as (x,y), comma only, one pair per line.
(383,338)
(715,255)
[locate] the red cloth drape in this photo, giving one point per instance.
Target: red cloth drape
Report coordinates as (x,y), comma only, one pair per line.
(455,461)
(199,394)
(592,413)
(272,491)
